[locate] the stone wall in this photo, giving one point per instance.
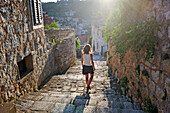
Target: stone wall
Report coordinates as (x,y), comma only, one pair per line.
(18,40)
(27,56)
(79,51)
(65,48)
(157,85)
(59,34)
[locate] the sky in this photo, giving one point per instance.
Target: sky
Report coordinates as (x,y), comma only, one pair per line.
(56,0)
(48,0)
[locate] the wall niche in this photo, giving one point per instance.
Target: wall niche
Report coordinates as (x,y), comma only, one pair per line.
(25,66)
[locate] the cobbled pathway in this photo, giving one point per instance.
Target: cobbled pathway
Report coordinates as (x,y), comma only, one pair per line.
(67,94)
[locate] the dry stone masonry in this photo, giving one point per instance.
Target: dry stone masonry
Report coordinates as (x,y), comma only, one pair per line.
(19,49)
(156,85)
(65,48)
(27,56)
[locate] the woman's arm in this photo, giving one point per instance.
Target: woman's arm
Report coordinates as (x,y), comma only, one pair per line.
(82,60)
(91,56)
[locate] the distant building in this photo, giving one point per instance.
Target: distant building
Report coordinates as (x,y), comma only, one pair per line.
(98,44)
(75,19)
(48,20)
(83,39)
(63,27)
(68,18)
(84,32)
(70,13)
(60,18)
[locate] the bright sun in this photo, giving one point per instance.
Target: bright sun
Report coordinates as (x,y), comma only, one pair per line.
(107,1)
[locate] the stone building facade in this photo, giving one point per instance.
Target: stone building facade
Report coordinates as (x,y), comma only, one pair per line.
(157,85)
(24,48)
(26,55)
(98,44)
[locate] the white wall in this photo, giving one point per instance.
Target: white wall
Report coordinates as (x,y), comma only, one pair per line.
(98,39)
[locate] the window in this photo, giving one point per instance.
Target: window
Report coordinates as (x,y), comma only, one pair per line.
(25,66)
(97,45)
(36,11)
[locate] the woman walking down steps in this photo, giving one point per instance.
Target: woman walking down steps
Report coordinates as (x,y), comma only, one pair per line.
(87,64)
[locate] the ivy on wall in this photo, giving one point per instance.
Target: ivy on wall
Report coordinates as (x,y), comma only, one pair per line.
(131,34)
(149,107)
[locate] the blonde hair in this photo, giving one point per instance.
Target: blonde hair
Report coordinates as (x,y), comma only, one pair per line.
(87,49)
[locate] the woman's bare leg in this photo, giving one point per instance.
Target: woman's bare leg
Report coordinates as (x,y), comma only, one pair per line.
(87,78)
(90,80)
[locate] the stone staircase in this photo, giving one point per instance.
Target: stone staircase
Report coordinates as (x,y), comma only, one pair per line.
(67,94)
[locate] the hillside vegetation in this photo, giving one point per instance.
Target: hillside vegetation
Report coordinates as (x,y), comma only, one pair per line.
(84,9)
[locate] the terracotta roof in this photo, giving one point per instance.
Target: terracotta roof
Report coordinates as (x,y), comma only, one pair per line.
(83,39)
(48,20)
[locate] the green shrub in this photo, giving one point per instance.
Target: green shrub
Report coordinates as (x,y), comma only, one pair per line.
(133,83)
(93,47)
(53,40)
(165,95)
(108,53)
(138,93)
(77,44)
(145,72)
(89,41)
(138,82)
(149,107)
(124,81)
(109,58)
(165,56)
(137,69)
(36,90)
(52,25)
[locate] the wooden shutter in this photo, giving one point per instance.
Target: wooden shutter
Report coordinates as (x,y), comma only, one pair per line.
(37,12)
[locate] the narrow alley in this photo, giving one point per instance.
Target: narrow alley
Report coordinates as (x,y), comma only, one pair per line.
(42,41)
(67,94)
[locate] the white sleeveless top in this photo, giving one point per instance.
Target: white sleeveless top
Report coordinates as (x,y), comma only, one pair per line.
(86,60)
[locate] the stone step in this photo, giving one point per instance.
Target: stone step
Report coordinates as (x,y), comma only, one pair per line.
(69,108)
(103,110)
(67,94)
(117,110)
(7,108)
(23,105)
(42,106)
(125,105)
(87,102)
(85,109)
(63,108)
